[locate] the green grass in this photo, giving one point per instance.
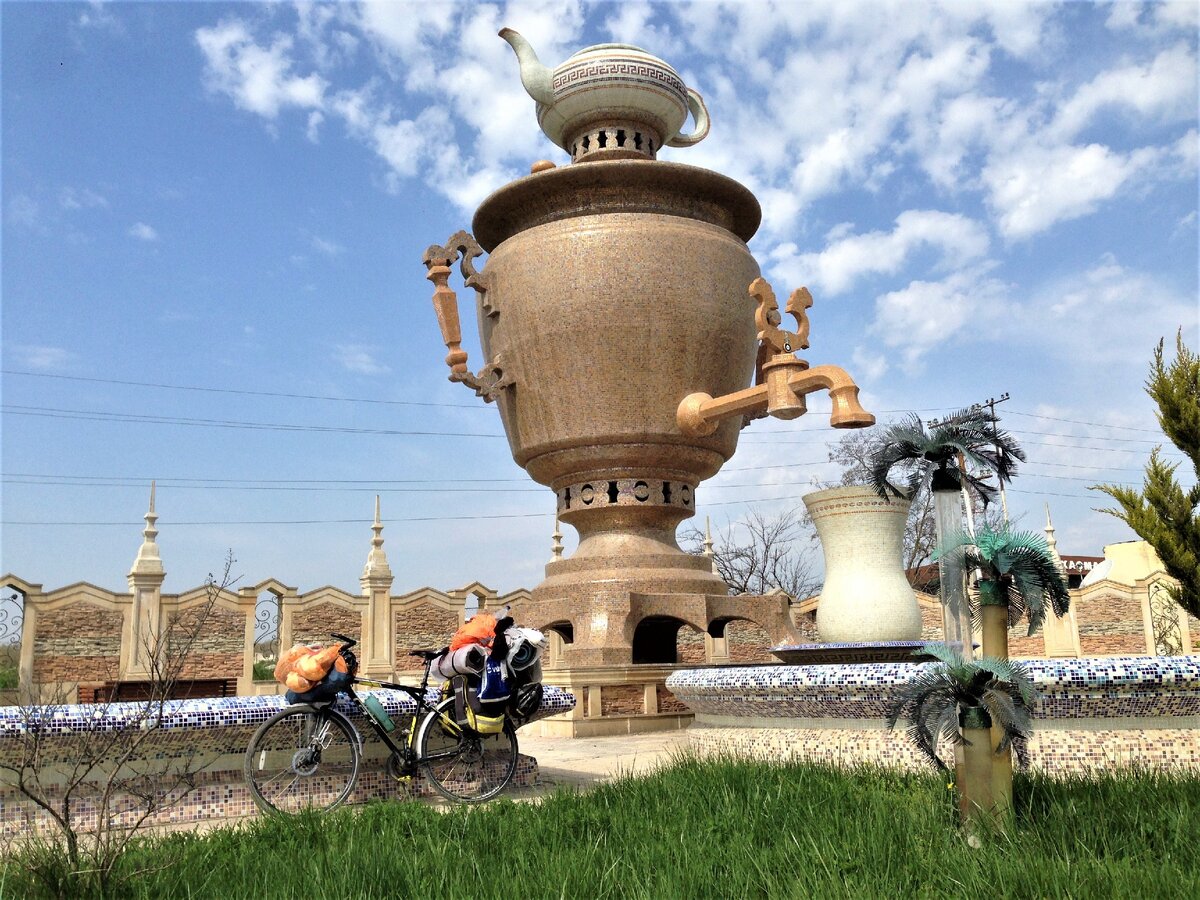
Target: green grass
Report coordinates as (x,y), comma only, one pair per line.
(704,829)
(8,677)
(265,670)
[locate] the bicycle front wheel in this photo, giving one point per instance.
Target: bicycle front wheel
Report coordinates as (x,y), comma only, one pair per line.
(302,759)
(464,767)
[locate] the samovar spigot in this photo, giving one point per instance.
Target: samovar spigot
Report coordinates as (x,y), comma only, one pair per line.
(781,378)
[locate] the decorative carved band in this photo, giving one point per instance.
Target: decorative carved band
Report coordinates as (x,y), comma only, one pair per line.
(617,70)
(626,492)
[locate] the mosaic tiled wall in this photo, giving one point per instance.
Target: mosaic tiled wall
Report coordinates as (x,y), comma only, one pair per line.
(212,734)
(1089,712)
(80,642)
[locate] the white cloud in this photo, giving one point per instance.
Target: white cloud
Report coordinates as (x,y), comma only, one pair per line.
(926,314)
(1152,19)
(807,99)
(1034,187)
(1088,303)
(24,210)
(257,79)
(42,357)
(143,232)
(329,248)
(83,198)
(359,359)
(848,257)
(1164,89)
(312,132)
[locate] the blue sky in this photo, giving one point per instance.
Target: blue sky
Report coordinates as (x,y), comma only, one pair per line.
(231,202)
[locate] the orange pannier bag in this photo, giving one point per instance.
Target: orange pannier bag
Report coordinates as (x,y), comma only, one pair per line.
(302,666)
(480,629)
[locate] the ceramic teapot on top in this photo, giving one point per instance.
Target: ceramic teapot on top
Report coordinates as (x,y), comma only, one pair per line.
(610,101)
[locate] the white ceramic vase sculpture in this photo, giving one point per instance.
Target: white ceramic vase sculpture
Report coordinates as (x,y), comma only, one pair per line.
(866,597)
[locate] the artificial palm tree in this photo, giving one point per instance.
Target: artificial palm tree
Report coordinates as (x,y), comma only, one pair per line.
(941,456)
(1017,578)
(962,702)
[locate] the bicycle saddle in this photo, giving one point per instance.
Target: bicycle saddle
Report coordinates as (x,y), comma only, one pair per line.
(426,654)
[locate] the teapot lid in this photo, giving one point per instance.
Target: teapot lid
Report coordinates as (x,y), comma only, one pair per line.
(608,47)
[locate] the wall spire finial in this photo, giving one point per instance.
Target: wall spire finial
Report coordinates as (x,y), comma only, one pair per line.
(556,543)
(377,561)
(148,561)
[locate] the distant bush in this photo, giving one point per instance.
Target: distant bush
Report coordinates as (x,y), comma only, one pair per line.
(265,670)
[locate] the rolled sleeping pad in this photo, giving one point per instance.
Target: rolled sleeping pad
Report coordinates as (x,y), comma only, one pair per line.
(524,657)
(468,660)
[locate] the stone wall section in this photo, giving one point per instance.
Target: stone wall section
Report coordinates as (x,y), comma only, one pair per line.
(931,621)
(219,649)
(80,642)
(425,626)
(667,701)
(1020,643)
(622,700)
(314,624)
(1110,623)
(689,647)
(748,642)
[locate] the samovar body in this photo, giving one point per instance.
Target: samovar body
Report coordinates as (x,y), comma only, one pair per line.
(613,290)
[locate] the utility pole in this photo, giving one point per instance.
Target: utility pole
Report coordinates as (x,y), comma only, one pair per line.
(990,403)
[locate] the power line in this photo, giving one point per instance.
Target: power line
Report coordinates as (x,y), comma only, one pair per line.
(1014,412)
(134,418)
(248,393)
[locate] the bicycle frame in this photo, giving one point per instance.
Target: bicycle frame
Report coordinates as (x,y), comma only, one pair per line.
(407,752)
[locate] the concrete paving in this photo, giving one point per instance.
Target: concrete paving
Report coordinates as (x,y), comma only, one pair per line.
(582,762)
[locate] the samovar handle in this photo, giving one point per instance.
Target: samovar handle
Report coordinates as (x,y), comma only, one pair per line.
(438,261)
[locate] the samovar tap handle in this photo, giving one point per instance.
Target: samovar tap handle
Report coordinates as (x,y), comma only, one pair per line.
(438,261)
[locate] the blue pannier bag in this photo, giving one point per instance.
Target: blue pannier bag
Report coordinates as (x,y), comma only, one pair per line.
(493,685)
(325,690)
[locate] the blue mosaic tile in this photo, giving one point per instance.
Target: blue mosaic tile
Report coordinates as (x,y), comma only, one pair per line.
(1097,687)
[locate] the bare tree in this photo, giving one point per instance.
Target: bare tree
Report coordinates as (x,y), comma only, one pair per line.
(761,553)
(101,784)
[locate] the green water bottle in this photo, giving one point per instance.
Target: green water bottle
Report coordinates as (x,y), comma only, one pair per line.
(379,714)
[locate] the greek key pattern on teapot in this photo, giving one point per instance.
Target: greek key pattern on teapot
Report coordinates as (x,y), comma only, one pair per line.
(626,492)
(632,71)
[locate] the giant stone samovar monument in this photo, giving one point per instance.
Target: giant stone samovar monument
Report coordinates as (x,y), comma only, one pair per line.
(627,339)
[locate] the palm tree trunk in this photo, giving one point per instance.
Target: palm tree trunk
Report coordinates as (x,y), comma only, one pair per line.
(975,783)
(993,613)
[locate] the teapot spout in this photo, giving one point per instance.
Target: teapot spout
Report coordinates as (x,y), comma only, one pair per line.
(535,77)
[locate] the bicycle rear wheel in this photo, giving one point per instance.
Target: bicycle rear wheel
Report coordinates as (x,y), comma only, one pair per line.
(302,759)
(465,768)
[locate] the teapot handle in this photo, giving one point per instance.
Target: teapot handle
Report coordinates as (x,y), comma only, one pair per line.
(700,114)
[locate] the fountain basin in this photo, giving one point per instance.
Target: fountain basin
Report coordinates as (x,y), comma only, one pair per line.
(1094,713)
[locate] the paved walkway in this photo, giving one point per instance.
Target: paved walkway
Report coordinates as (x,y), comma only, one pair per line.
(581,762)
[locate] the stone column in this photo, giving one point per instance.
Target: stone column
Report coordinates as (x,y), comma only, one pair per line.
(144,620)
(1060,634)
(376,581)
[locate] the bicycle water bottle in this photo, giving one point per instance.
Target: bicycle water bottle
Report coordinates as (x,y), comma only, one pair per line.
(379,714)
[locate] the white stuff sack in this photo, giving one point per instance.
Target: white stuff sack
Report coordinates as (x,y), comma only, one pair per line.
(468,660)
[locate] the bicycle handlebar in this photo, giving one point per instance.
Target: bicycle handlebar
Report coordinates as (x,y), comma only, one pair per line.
(348,641)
